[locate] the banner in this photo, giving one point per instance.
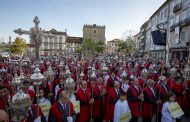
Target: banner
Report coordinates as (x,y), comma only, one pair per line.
(45,108)
(177,34)
(125,117)
(175,110)
(76,106)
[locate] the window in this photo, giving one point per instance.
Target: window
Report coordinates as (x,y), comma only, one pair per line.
(165,12)
(171,7)
(55,40)
(184,14)
(182,35)
(177,18)
(60,39)
(94,31)
(161,15)
(171,21)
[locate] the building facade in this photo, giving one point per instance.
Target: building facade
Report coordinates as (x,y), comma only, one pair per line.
(179,30)
(112,46)
(56,44)
(159,20)
(73,43)
(95,32)
(173,17)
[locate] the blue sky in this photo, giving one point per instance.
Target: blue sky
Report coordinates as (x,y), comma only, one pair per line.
(117,15)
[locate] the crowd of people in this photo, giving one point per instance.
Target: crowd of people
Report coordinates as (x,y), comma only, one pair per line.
(107,88)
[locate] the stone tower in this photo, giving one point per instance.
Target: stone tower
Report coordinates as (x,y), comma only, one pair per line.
(95,32)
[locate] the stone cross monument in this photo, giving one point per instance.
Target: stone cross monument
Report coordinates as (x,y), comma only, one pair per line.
(35,34)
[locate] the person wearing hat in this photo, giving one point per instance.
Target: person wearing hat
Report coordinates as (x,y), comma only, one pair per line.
(135,96)
(150,101)
(162,91)
(121,106)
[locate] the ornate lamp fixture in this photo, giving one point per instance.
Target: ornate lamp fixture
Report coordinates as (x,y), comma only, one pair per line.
(173,72)
(104,68)
(19,105)
(144,73)
(37,77)
(93,75)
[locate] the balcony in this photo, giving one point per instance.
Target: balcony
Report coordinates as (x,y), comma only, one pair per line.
(177,7)
(185,22)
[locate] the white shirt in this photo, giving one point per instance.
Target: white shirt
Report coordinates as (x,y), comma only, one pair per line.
(56,90)
(106,77)
(72,98)
(44,100)
(166,115)
(152,90)
(121,107)
(125,87)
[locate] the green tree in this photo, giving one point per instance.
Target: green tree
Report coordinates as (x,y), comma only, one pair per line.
(99,46)
(88,45)
(18,46)
(79,49)
(127,46)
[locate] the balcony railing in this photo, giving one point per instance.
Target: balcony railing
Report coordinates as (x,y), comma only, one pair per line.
(177,7)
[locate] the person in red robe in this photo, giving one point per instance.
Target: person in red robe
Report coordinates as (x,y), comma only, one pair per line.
(61,109)
(113,96)
(187,99)
(162,91)
(99,93)
(179,89)
(110,81)
(4,93)
(150,101)
(84,94)
(135,98)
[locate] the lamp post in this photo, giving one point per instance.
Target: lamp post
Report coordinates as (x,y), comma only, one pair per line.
(36,35)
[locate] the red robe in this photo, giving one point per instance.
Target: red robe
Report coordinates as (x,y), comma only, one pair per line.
(110,83)
(162,93)
(59,114)
(178,90)
(84,105)
(111,101)
(98,101)
(3,104)
(187,99)
(149,104)
(134,102)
